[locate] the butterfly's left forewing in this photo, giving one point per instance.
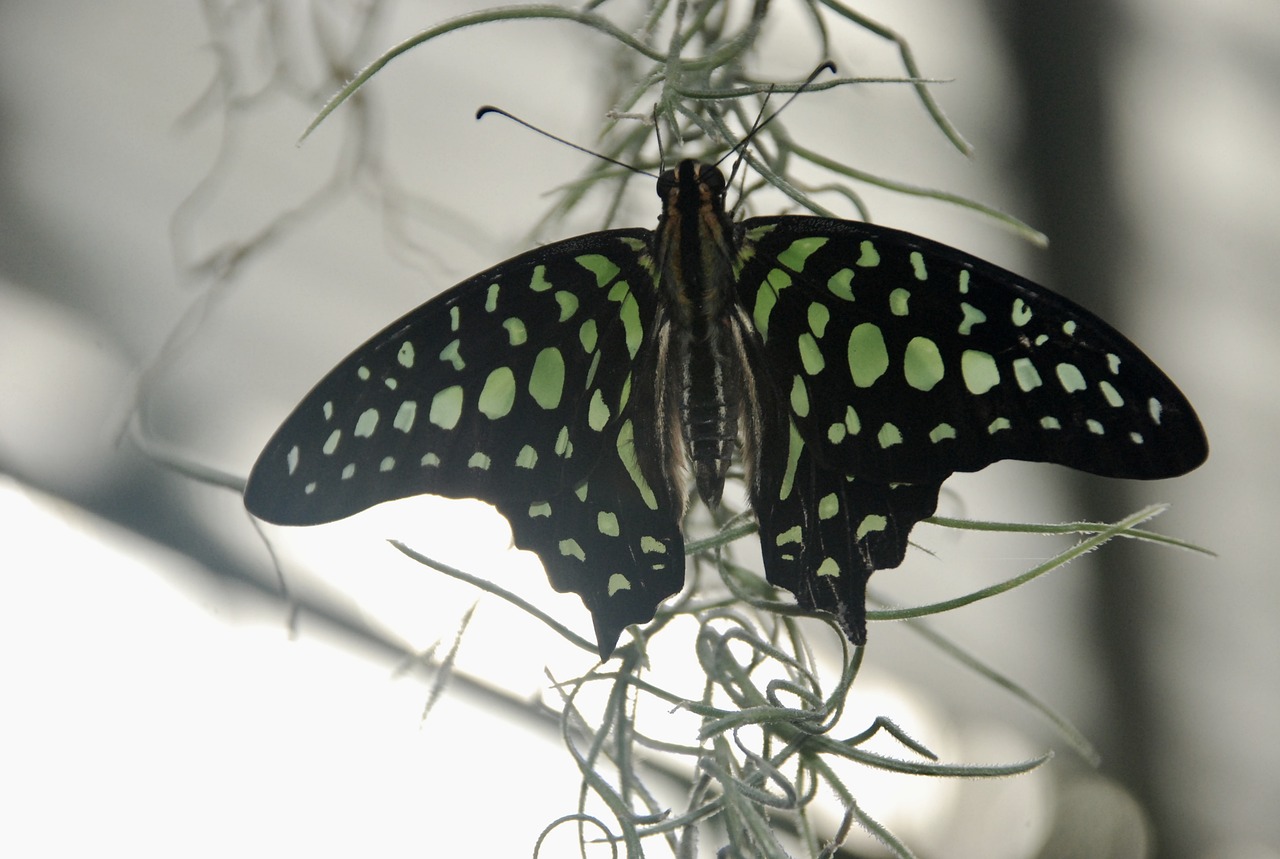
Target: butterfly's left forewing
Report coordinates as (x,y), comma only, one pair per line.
(514,387)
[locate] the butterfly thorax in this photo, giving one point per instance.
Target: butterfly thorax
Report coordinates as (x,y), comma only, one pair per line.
(701,387)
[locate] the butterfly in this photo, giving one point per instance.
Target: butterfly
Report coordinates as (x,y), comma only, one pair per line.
(581,386)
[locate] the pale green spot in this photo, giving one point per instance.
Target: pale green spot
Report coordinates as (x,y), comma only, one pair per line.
(869,257)
(1113,363)
(868,357)
(898,301)
(1021,313)
(1071,378)
(626,393)
(446,407)
(1050,422)
(942,432)
(363,373)
(799,397)
(517,334)
(388,463)
(972,317)
(597,412)
(479,461)
(841,284)
(979,371)
(1136,437)
(766,298)
(872,522)
(889,435)
(498,395)
(349,471)
(998,424)
(627,453)
(1069,328)
(581,491)
(1155,408)
(1094,427)
(964,281)
(331,443)
(570,549)
(795,444)
(629,313)
(1041,339)
(292,458)
(828,506)
(310,488)
(1025,373)
(491,298)
(1113,396)
(917,266)
(328,410)
(539,282)
(922,364)
(810,354)
(607,524)
(588,335)
(455,317)
(601,266)
(652,546)
(366,423)
(819,316)
(795,256)
(568,304)
(836,433)
(527,457)
(828,567)
(618,582)
(591,371)
(390,382)
(546,380)
(540,508)
(430,460)
(450,353)
(563,446)
(791,535)
(406,354)
(851,421)
(405,416)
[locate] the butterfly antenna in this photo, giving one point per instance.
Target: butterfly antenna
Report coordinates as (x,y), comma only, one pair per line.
(487,109)
(762,120)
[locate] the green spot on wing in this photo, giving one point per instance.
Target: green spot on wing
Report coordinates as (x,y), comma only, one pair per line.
(627,452)
(979,371)
(546,381)
(868,357)
(922,364)
(869,257)
(498,395)
(618,582)
(841,284)
(601,266)
(1071,378)
(800,250)
(446,407)
(517,334)
(539,282)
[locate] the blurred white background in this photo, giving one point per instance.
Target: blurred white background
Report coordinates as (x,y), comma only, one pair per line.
(155,701)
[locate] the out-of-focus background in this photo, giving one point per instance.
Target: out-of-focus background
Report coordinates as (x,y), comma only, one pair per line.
(168,255)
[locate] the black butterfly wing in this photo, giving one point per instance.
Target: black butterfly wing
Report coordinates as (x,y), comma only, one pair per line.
(513,387)
(898,361)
